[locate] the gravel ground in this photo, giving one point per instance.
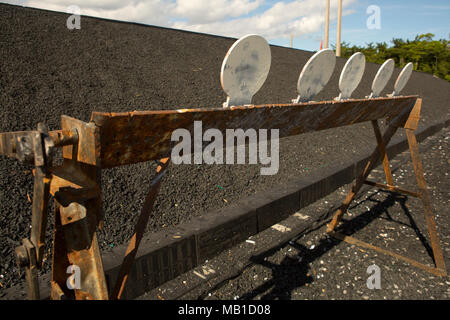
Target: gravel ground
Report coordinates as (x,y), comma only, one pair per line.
(47,70)
(314,266)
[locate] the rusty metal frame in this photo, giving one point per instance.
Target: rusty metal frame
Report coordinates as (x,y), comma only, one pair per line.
(111,140)
(141,224)
(76,188)
(410,125)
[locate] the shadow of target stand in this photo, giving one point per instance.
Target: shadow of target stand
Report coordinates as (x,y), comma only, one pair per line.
(117,139)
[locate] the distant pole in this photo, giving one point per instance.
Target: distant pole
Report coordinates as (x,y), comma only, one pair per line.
(327,23)
(292,39)
(339,23)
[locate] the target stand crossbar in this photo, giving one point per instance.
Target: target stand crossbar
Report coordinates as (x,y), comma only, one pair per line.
(409,123)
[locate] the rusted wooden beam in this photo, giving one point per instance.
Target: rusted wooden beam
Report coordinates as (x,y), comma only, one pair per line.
(138,136)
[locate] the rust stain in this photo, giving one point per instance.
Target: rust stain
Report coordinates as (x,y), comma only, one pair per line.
(137,136)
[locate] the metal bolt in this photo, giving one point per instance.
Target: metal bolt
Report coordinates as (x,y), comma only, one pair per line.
(22,258)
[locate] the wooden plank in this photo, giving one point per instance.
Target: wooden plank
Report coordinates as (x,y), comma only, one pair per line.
(138,136)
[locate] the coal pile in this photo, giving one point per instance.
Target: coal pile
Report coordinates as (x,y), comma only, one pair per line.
(47,70)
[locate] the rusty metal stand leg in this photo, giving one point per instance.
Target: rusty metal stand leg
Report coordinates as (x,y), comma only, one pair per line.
(382,148)
(138,232)
(60,262)
(30,254)
(425,196)
(363,176)
(79,210)
(76,187)
(410,124)
(26,258)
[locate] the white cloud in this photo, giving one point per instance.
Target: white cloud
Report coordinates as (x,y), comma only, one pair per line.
(155,12)
(298,18)
(233,18)
(201,11)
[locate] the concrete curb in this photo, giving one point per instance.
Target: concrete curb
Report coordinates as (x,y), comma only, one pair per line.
(169,253)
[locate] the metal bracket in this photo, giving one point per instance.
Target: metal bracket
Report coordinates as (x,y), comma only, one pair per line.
(38,148)
(26,258)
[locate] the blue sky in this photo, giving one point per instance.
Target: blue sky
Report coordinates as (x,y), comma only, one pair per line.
(399,19)
(274,19)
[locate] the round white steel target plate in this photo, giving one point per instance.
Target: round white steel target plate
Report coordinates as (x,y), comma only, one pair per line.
(315,74)
(382,77)
(403,78)
(245,69)
(351,75)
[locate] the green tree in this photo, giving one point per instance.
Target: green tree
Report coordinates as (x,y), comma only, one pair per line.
(427,55)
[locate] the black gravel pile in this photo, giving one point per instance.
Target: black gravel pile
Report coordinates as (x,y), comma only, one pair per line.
(47,70)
